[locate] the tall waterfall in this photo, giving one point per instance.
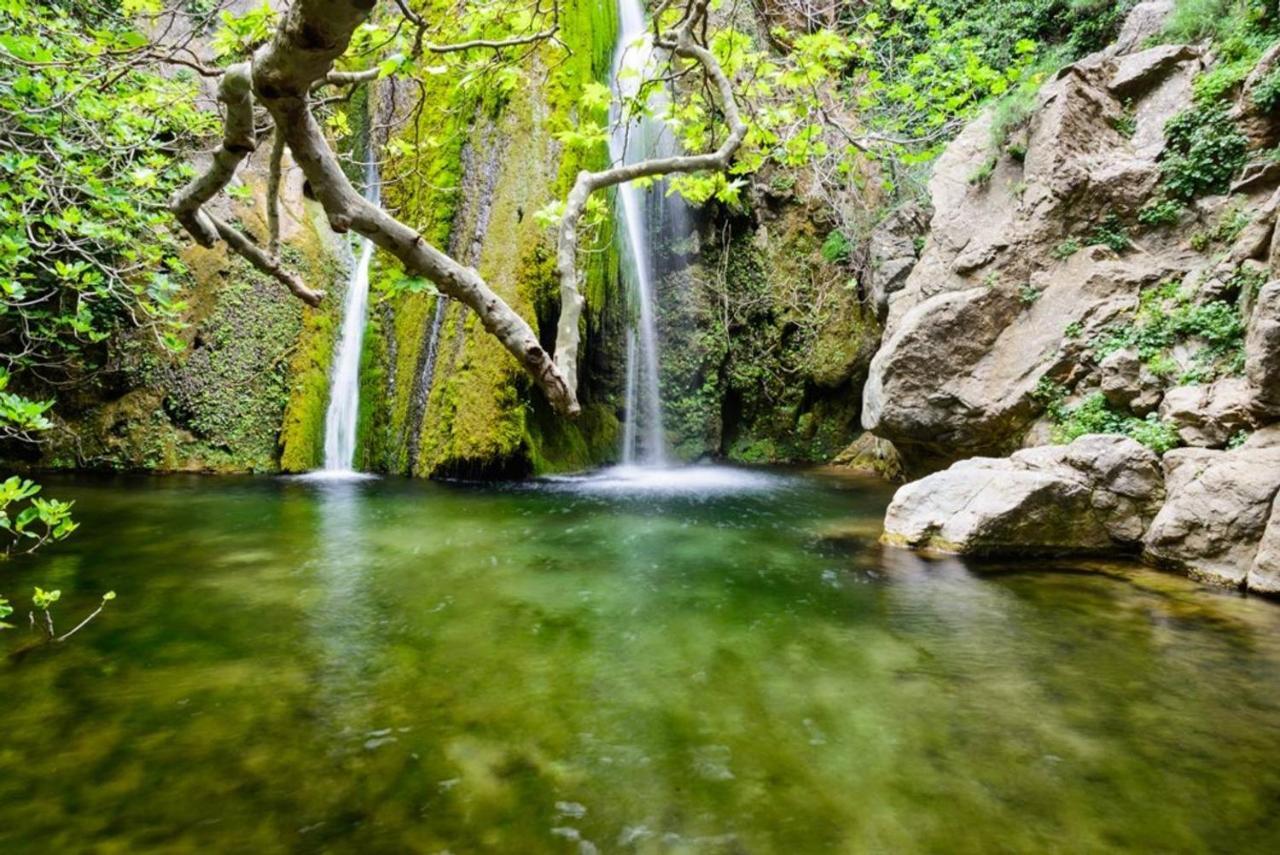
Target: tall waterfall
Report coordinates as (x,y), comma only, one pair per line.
(639,213)
(340,421)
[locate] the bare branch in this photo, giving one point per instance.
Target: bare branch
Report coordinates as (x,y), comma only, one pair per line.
(269,265)
(273,195)
(238,141)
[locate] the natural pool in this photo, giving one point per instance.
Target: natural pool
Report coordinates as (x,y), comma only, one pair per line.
(389,666)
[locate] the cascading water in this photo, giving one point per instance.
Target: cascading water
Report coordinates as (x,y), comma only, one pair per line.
(341,418)
(644,440)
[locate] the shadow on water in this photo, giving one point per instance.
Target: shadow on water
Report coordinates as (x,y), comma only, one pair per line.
(704,660)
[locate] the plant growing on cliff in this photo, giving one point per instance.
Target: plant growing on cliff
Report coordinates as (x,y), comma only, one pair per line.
(1110,233)
(1095,415)
(1203,151)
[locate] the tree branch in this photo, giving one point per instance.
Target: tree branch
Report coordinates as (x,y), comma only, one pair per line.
(238,141)
(683,44)
(312,34)
(273,195)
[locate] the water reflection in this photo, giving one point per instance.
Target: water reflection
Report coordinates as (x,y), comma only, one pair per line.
(393,666)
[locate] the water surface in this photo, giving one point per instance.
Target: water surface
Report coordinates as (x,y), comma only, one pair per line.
(578,666)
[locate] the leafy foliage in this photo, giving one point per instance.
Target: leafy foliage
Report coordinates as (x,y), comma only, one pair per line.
(1110,233)
(1095,415)
(1203,152)
(87,161)
(1167,318)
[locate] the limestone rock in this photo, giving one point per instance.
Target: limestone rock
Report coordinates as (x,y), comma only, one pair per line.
(1264,575)
(1218,506)
(891,254)
(1262,347)
(1138,71)
(984,314)
(1128,384)
(1209,416)
(1096,495)
(1143,21)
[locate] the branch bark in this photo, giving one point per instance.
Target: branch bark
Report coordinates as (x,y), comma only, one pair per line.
(238,141)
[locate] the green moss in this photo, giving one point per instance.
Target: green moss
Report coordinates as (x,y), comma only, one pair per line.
(766,346)
(302,430)
(482,415)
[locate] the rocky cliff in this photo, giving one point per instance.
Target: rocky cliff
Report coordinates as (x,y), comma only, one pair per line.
(1102,262)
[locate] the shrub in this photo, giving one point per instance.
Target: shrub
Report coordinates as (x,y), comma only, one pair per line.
(1095,415)
(1204,150)
(836,248)
(1066,249)
(1110,233)
(1266,95)
(1160,212)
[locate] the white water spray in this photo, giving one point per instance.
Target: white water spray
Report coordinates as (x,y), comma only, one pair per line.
(342,417)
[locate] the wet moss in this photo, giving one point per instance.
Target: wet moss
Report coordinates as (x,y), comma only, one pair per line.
(482,414)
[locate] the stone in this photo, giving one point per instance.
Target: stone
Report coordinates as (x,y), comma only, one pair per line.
(1264,574)
(1144,21)
(964,349)
(1096,495)
(1208,416)
(891,254)
(1262,348)
(1128,384)
(1218,507)
(1137,72)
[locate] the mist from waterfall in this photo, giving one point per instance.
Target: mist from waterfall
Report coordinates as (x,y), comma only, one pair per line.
(342,418)
(640,214)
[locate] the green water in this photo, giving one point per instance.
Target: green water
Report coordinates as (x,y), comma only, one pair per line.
(401,667)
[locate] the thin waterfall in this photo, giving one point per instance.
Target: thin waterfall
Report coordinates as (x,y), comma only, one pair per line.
(644,440)
(341,419)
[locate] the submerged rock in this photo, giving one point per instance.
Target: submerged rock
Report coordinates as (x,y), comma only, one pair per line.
(1218,508)
(1097,494)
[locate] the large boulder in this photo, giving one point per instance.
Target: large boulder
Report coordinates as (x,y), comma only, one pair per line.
(1264,575)
(1218,507)
(1096,495)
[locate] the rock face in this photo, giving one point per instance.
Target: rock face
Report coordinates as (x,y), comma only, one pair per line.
(1209,416)
(1264,575)
(1037,250)
(1129,384)
(1262,348)
(1218,509)
(1096,495)
(892,253)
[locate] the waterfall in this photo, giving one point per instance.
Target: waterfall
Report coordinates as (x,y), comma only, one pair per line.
(644,440)
(340,421)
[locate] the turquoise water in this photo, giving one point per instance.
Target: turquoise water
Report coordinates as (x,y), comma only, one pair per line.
(569,667)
